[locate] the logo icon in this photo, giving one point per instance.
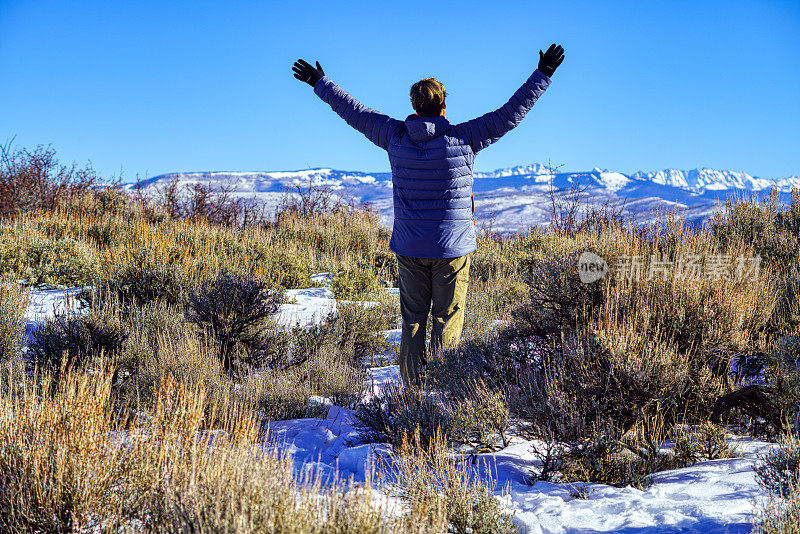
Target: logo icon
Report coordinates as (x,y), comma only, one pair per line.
(591,267)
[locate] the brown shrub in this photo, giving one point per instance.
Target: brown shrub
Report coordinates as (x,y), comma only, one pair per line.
(239,312)
(33,181)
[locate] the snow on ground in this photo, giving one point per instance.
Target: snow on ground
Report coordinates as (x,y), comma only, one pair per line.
(709,497)
(306,306)
(46,303)
(323,445)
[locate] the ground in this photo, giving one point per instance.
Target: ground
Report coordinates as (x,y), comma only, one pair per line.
(710,497)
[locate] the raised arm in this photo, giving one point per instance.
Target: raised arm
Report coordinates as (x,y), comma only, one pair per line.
(488,128)
(376,126)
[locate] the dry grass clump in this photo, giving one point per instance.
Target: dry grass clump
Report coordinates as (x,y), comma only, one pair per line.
(490,304)
(304,363)
(478,420)
(778,516)
(782,373)
(356,284)
(779,473)
(41,260)
(772,228)
(60,467)
(78,340)
(327,211)
(13,304)
(779,469)
(357,329)
(444,488)
(69,463)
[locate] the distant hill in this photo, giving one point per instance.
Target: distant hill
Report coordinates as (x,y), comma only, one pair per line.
(516,198)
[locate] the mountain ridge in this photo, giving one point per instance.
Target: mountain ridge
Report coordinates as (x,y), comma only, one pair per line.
(515,198)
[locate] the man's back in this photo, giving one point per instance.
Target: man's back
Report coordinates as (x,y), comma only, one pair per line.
(432,190)
(431,164)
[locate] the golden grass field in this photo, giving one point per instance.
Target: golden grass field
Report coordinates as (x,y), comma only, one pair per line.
(129,417)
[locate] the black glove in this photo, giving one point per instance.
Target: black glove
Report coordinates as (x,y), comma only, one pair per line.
(306,73)
(548,61)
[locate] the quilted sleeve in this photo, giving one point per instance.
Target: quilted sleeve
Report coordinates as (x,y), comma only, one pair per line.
(488,128)
(378,127)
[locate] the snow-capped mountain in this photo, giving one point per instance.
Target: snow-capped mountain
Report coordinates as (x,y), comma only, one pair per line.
(516,198)
(702,180)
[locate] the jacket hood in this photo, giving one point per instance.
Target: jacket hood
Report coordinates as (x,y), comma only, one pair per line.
(425,128)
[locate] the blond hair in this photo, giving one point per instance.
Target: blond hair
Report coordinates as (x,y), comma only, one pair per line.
(427,97)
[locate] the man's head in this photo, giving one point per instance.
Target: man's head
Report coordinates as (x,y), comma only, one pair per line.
(427,97)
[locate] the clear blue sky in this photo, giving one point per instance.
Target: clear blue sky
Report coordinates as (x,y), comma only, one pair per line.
(152,87)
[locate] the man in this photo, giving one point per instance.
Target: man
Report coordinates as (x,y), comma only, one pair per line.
(434,231)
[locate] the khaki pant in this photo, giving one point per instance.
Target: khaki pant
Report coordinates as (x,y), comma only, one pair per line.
(442,283)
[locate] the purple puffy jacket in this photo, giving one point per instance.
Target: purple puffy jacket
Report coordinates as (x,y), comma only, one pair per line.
(431,163)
